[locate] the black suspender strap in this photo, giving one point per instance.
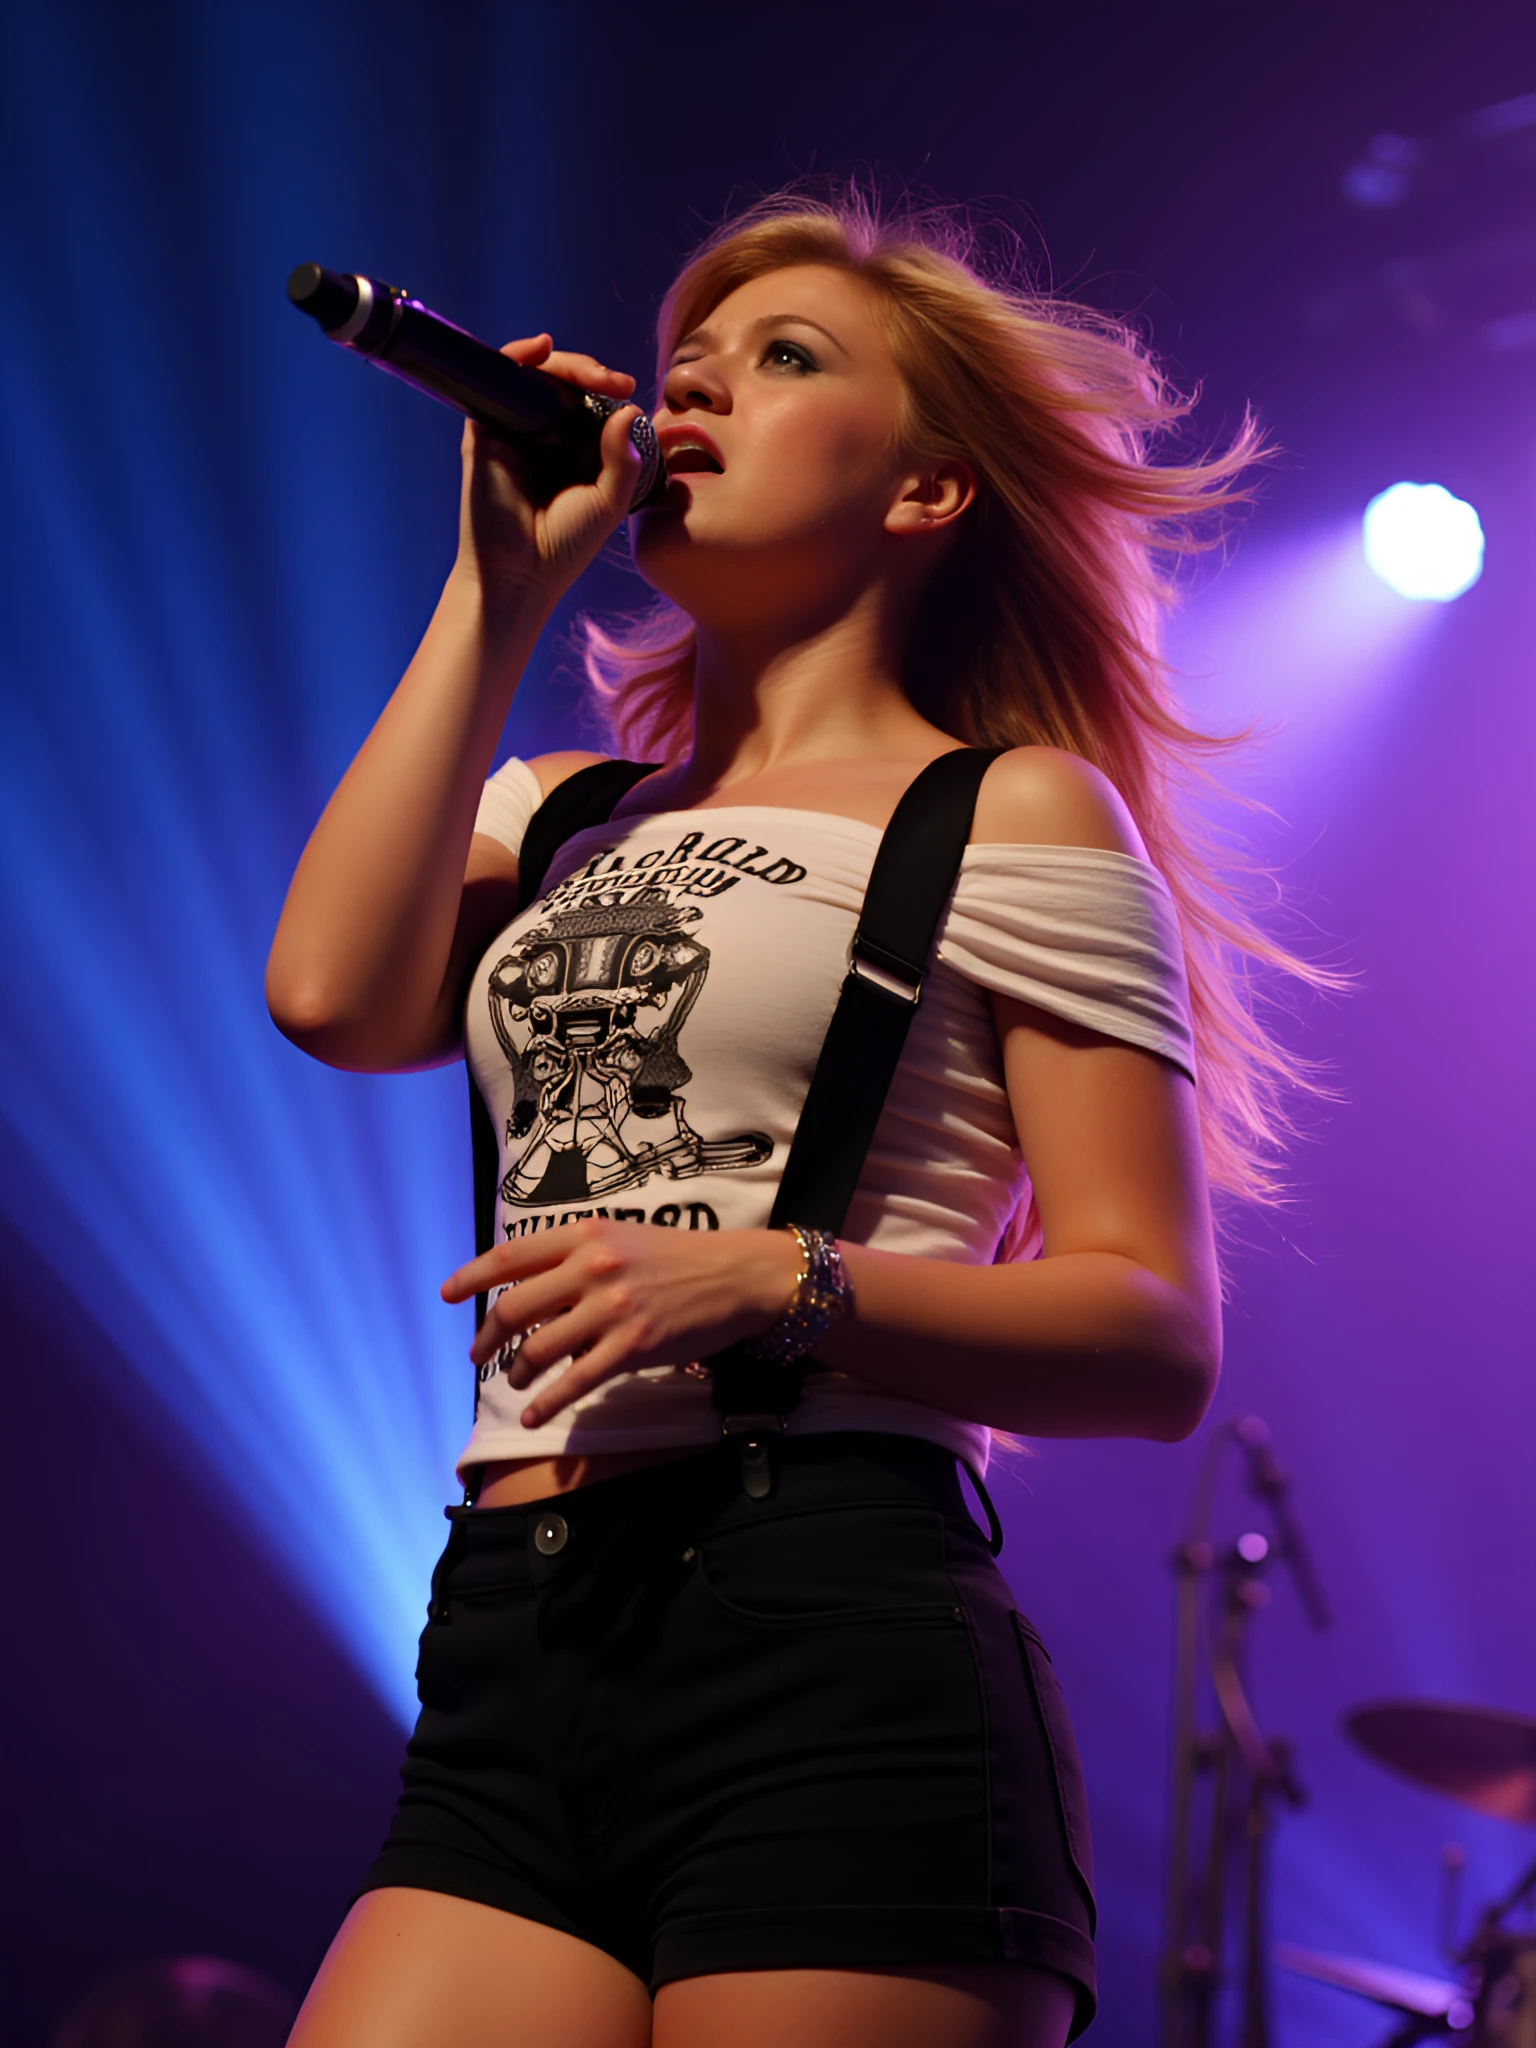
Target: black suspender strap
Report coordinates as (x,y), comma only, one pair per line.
(583,799)
(909,885)
(586,798)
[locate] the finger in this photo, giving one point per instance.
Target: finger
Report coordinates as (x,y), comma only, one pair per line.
(621,464)
(518,1310)
(515,1260)
(588,372)
(566,1333)
(499,1327)
(530,351)
(582,1376)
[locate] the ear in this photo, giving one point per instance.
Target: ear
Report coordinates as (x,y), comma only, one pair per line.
(931,500)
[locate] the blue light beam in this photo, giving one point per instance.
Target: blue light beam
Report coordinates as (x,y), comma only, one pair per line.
(228,540)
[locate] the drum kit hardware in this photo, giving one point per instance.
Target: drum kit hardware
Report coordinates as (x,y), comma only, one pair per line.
(1229,1777)
(1230,1780)
(1486,1759)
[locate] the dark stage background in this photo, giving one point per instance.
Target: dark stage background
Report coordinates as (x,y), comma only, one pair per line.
(231,1399)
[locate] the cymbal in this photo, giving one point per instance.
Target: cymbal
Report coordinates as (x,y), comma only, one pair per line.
(1431,1998)
(1480,1755)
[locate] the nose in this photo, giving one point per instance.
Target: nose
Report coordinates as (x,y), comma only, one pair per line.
(696,386)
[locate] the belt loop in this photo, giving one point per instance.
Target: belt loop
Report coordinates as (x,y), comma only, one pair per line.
(994,1526)
(453,1551)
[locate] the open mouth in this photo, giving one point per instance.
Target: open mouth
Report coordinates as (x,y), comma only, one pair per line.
(687,456)
(693,462)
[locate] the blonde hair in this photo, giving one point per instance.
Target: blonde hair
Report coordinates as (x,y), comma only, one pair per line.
(1042,625)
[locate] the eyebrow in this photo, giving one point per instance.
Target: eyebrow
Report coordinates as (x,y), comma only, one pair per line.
(702,334)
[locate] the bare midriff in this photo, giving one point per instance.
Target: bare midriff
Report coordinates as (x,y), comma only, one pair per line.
(509,1482)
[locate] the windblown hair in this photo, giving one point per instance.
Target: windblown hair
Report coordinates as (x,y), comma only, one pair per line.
(1041,626)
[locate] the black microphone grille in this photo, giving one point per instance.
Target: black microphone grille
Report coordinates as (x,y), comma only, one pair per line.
(328,296)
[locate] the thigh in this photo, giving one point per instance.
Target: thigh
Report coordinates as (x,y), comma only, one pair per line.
(413,1969)
(966,2005)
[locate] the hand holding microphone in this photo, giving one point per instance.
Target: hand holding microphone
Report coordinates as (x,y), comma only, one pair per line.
(540,427)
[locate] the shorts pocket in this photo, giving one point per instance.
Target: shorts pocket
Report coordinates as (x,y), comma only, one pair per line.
(832,1566)
(1066,1765)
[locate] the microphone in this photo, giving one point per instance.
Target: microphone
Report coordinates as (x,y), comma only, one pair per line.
(554,426)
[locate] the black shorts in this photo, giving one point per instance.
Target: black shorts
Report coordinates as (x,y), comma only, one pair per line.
(712,1733)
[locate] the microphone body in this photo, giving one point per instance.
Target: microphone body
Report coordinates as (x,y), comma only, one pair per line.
(556,427)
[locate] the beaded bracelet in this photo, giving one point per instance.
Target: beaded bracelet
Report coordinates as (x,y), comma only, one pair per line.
(821,1298)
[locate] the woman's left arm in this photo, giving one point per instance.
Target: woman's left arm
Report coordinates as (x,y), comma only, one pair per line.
(1116,1329)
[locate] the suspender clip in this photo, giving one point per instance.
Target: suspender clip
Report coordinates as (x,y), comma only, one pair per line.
(756,1433)
(885,970)
(757,1466)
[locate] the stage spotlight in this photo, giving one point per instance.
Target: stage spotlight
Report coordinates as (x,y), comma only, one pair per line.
(1423,542)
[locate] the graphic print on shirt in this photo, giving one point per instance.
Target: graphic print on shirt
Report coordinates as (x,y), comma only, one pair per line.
(589,1007)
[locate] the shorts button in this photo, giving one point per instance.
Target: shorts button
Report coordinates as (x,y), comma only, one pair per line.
(551,1535)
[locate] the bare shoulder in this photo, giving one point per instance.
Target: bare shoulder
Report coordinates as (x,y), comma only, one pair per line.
(550,770)
(1044,796)
(493,863)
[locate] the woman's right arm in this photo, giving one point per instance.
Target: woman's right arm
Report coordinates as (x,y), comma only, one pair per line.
(390,898)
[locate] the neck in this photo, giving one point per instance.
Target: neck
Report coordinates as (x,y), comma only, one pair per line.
(778,693)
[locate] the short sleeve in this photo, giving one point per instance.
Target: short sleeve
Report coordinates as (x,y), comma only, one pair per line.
(1089,935)
(507,802)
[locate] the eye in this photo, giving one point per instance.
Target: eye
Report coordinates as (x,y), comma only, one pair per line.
(790,355)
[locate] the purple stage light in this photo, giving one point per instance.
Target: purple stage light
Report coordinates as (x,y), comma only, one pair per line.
(1424,543)
(1299,641)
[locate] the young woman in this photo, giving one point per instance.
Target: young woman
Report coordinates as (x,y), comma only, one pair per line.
(700,1762)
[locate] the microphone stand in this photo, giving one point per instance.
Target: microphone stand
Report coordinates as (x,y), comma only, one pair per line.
(1239,1771)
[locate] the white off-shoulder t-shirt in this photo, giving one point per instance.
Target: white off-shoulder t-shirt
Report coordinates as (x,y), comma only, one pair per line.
(645,1032)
